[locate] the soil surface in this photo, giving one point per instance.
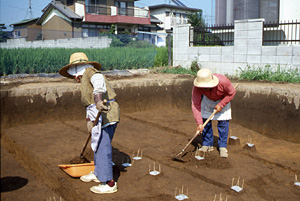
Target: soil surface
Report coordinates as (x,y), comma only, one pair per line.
(31,153)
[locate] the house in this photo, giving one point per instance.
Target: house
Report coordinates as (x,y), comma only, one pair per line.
(169,16)
(87,18)
(27,29)
(273,11)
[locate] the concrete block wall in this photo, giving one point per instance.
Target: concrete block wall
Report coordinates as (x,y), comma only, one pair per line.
(247,50)
(90,42)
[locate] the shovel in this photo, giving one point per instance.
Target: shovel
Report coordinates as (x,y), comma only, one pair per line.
(176,158)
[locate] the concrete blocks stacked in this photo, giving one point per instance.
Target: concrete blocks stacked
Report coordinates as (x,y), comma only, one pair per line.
(90,42)
(247,50)
(181,36)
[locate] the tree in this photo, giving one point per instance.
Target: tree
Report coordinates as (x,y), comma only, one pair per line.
(195,19)
(3,34)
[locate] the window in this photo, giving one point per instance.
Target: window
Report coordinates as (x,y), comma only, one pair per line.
(269,10)
(245,9)
(121,5)
(120,30)
(147,29)
(85,33)
(167,14)
(91,30)
(251,9)
(17,34)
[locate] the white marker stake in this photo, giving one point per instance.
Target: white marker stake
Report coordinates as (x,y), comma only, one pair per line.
(296,181)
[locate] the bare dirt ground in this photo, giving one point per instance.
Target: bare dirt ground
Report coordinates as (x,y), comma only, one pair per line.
(30,155)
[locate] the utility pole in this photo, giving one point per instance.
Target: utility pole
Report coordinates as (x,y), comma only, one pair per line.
(29,13)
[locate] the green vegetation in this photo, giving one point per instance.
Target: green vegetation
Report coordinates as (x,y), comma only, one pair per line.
(50,60)
(3,34)
(266,73)
(177,70)
(161,57)
(196,19)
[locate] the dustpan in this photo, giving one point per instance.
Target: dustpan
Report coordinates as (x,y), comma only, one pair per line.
(77,170)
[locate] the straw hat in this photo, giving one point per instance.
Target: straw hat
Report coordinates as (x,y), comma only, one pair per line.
(205,79)
(77,58)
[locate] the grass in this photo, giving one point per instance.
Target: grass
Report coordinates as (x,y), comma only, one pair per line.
(267,73)
(176,70)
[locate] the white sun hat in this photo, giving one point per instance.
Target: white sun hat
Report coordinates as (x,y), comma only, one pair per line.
(205,79)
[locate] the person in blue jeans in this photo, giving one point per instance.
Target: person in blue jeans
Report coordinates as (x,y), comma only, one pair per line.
(212,92)
(94,90)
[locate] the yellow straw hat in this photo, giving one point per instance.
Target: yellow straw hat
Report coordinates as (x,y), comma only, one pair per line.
(77,58)
(205,79)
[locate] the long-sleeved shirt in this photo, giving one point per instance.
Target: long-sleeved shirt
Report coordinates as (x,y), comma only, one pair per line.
(224,91)
(98,83)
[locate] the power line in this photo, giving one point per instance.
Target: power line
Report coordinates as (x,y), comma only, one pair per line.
(29,13)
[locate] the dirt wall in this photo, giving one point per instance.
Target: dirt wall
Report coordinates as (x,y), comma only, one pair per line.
(270,109)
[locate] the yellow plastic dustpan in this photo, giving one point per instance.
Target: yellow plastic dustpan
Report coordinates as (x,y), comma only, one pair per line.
(78,170)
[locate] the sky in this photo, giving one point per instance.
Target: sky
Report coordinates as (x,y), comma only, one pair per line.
(12,11)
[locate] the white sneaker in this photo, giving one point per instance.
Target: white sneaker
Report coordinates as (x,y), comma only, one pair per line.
(104,188)
(223,152)
(206,148)
(89,177)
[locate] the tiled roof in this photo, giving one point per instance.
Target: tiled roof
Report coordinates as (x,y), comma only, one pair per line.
(65,10)
(61,8)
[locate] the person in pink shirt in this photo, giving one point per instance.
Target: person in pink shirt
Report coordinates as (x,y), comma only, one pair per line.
(212,92)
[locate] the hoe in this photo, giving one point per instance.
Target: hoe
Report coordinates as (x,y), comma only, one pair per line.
(176,157)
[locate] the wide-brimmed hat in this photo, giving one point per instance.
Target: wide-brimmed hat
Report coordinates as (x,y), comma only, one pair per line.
(77,58)
(205,79)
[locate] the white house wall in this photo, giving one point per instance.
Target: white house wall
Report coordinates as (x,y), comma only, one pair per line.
(79,10)
(289,9)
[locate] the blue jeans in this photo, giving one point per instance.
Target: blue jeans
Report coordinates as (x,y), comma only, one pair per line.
(208,136)
(103,155)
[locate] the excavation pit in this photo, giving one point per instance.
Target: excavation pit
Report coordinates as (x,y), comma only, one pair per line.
(43,125)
